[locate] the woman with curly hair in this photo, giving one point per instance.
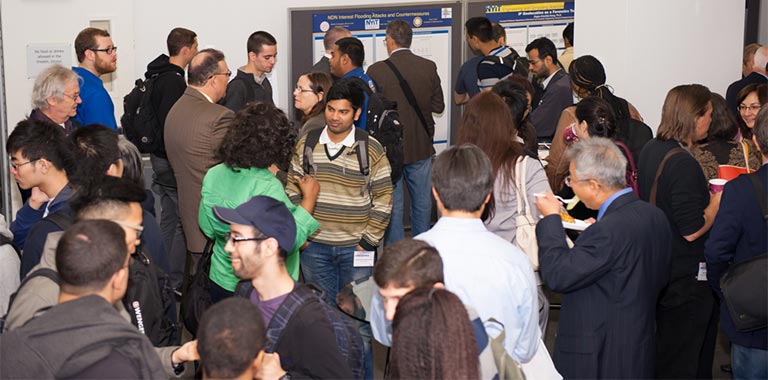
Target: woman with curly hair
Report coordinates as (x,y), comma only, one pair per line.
(432,337)
(260,140)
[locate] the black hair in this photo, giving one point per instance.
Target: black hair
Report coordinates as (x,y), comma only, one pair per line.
(258,39)
(37,139)
(724,125)
(105,192)
(259,136)
(515,95)
(462,176)
(480,27)
(347,89)
(598,115)
(95,149)
(545,47)
(568,33)
(89,253)
(231,336)
(407,263)
(353,48)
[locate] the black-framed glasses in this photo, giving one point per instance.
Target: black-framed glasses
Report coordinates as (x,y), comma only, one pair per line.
(108,50)
(228,73)
(16,166)
(235,240)
(568,180)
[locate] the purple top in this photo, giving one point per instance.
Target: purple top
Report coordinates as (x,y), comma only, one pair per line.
(268,307)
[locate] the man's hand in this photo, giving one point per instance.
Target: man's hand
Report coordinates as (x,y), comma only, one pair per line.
(270,367)
(38,198)
(186,353)
(309,186)
(547,204)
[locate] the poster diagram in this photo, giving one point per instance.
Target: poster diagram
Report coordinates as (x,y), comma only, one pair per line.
(431,40)
(527,22)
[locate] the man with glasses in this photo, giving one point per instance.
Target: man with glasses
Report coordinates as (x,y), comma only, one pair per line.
(97,55)
(555,92)
(194,129)
(41,160)
(262,232)
(612,277)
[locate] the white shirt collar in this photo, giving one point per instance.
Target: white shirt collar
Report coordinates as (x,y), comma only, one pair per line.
(347,142)
(549,78)
(397,50)
(204,94)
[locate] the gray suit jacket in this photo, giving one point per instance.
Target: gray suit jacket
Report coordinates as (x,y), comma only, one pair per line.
(557,97)
(193,131)
(421,75)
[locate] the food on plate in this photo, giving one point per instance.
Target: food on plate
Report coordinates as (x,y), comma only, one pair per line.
(566,217)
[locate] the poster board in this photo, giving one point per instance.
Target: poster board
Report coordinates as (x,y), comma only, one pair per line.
(435,31)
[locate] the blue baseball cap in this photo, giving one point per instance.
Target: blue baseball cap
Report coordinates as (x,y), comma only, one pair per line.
(267,215)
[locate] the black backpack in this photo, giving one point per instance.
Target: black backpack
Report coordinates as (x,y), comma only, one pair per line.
(513,60)
(139,121)
(149,296)
(344,327)
(197,291)
(383,123)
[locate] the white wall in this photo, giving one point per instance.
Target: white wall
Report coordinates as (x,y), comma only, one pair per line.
(650,46)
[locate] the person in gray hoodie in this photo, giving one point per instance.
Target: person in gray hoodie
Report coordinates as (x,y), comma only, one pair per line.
(9,266)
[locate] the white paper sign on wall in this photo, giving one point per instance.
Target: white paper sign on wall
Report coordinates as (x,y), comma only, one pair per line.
(42,56)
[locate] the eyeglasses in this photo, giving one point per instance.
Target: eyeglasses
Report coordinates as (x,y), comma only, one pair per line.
(74,97)
(228,73)
(753,108)
(235,240)
(299,89)
(16,166)
(139,229)
(109,50)
(568,180)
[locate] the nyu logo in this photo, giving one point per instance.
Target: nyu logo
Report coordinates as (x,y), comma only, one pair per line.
(372,23)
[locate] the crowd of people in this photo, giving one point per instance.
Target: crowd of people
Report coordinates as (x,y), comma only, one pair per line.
(302,225)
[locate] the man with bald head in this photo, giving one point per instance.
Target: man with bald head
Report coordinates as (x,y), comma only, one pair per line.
(194,129)
(758,75)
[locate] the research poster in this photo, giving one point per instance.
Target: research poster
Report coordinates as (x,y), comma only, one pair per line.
(431,40)
(527,22)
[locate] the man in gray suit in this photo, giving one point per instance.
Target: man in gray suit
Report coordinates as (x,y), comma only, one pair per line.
(556,94)
(421,76)
(194,129)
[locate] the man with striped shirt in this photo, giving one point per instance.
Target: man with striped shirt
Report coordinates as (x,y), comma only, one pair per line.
(353,208)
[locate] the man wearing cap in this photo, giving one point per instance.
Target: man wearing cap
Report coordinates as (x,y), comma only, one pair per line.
(262,231)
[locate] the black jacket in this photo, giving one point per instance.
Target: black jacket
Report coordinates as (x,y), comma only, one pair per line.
(243,89)
(166,90)
(307,346)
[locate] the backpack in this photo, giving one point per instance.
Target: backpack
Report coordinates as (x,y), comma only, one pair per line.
(744,284)
(148,297)
(45,272)
(344,327)
(513,60)
(139,121)
(361,146)
(197,292)
(631,172)
(383,123)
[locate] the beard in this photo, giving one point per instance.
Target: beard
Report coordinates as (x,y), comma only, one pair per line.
(104,66)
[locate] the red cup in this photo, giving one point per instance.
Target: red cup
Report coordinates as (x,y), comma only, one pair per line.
(716,185)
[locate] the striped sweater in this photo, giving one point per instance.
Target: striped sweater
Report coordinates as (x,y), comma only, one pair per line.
(346,217)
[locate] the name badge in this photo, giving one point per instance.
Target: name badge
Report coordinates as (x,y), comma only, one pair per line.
(363,259)
(702,275)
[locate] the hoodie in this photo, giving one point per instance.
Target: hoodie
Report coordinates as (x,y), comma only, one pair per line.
(166,90)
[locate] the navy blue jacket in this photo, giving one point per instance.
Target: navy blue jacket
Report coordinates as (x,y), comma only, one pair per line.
(739,233)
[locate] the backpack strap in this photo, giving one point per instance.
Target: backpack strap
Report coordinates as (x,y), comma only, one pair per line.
(44,272)
(521,172)
(760,193)
(361,145)
(674,151)
(630,161)
(308,163)
(284,313)
(409,95)
(5,240)
(62,219)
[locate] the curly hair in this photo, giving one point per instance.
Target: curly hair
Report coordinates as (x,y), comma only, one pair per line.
(260,136)
(433,337)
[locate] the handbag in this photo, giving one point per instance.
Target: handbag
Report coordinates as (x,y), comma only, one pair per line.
(729,172)
(525,223)
(507,368)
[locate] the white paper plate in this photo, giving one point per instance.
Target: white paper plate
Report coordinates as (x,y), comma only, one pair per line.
(578,225)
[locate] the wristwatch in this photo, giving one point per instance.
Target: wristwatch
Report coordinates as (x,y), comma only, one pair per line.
(177,368)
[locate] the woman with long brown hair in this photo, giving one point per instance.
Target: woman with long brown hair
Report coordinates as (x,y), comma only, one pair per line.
(309,98)
(432,337)
(488,123)
(671,178)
